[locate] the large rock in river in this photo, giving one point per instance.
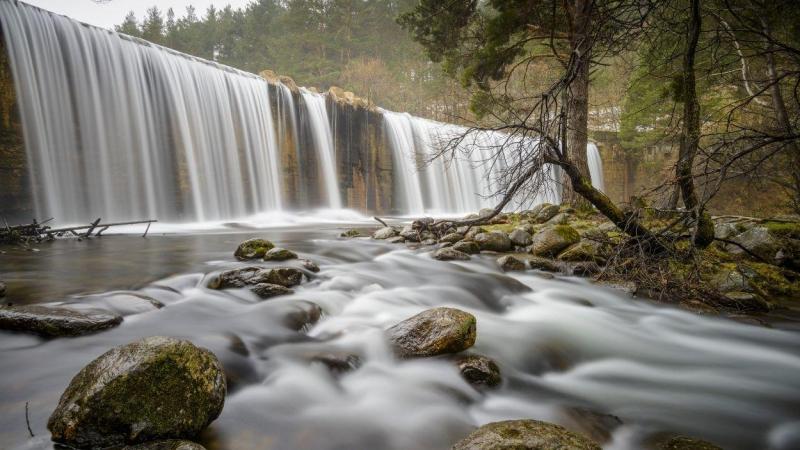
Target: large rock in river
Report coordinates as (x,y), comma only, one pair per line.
(253,249)
(552,240)
(496,241)
(467,247)
(449,254)
(434,332)
(524,435)
(279,254)
(52,321)
(385,233)
(479,370)
(152,389)
(251,276)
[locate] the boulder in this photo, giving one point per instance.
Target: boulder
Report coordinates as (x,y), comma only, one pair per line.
(559,219)
(585,250)
(468,247)
(544,264)
(524,434)
(757,240)
(171,444)
(279,254)
(452,238)
(309,265)
(520,237)
(496,241)
(269,290)
(253,249)
(551,241)
(478,370)
(433,332)
(510,263)
(152,389)
(384,233)
(52,321)
(686,443)
(396,240)
(449,254)
(251,276)
(474,231)
(545,213)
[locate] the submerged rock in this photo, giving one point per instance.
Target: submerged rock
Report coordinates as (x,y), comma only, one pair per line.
(520,237)
(337,363)
(468,247)
(269,290)
(252,276)
(479,370)
(524,435)
(510,263)
(351,233)
(449,254)
(433,332)
(253,249)
(384,233)
(172,444)
(303,315)
(279,254)
(553,240)
(51,321)
(496,241)
(151,389)
(309,265)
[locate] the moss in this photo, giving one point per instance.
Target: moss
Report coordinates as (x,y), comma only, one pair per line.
(253,248)
(784,229)
(567,233)
(770,279)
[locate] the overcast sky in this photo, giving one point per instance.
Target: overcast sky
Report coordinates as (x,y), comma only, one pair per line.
(110,13)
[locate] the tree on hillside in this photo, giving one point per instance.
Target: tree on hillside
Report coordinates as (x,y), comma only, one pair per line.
(152,28)
(130,26)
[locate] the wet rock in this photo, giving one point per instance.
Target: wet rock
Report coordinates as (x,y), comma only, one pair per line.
(151,389)
(396,240)
(551,241)
(759,241)
(745,301)
(495,241)
(586,269)
(449,254)
(524,434)
(253,249)
(433,332)
(544,264)
(279,254)
(309,265)
(269,290)
(338,363)
(510,263)
(479,370)
(452,238)
(686,443)
(468,247)
(53,321)
(351,233)
(252,276)
(545,213)
(384,233)
(302,315)
(585,250)
(172,444)
(520,237)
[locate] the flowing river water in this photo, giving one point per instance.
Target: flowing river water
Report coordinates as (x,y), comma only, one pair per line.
(591,358)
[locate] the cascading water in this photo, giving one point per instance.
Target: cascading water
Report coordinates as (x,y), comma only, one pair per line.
(400,132)
(595,166)
(120,128)
(323,142)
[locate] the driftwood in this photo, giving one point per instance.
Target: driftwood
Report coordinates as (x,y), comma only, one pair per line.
(37,231)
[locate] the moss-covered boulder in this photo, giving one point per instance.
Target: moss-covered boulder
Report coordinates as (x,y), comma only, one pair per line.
(449,254)
(279,254)
(434,332)
(170,444)
(152,389)
(495,241)
(468,247)
(551,241)
(384,233)
(510,263)
(585,250)
(545,213)
(51,321)
(253,249)
(452,238)
(478,370)
(524,435)
(252,276)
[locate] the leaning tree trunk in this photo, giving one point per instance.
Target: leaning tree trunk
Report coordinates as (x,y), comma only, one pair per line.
(577,100)
(690,135)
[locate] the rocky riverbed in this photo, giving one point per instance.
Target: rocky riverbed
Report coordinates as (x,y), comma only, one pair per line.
(329,342)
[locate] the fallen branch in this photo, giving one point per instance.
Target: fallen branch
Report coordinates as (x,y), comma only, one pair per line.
(745,249)
(381,221)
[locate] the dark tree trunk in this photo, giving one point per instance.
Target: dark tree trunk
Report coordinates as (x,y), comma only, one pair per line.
(578,99)
(690,134)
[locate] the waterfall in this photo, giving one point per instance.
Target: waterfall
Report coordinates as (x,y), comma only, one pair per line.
(400,133)
(323,142)
(124,129)
(595,166)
